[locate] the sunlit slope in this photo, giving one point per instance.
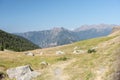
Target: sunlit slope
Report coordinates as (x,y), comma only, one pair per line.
(100,65)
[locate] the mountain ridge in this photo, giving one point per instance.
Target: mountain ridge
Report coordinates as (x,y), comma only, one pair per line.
(60,36)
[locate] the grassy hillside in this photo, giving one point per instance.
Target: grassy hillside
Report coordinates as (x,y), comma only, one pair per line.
(101,65)
(15,43)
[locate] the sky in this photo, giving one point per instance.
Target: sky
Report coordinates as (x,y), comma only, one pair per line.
(36,15)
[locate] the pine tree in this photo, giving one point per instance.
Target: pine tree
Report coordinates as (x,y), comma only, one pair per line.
(2,46)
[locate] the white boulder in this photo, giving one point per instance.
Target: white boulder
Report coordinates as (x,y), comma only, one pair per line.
(22,73)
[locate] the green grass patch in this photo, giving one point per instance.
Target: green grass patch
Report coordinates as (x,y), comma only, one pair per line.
(64,58)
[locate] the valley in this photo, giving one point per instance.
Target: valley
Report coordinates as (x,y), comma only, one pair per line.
(103,64)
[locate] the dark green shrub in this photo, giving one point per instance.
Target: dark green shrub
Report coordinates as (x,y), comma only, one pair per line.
(2,48)
(91,50)
(62,58)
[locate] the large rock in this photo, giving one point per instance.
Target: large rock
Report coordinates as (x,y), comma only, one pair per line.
(22,73)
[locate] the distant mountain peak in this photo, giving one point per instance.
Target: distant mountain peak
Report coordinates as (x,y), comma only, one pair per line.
(98,27)
(58,29)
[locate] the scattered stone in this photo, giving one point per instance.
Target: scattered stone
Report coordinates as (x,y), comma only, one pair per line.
(44,64)
(75,48)
(29,53)
(41,53)
(78,51)
(22,73)
(59,52)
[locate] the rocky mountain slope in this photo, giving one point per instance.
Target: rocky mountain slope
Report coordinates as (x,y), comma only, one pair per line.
(16,43)
(49,38)
(61,36)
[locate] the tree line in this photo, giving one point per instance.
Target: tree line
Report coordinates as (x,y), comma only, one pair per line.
(15,43)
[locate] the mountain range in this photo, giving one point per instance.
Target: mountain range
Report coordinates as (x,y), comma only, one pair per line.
(60,36)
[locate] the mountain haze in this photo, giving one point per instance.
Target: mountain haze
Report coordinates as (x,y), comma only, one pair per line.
(61,36)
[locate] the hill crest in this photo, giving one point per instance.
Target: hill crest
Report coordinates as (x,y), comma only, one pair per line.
(15,43)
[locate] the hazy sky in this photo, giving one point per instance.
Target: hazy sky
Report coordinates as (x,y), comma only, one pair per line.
(29,15)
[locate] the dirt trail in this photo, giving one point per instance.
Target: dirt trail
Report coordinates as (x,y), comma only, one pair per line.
(100,73)
(57,70)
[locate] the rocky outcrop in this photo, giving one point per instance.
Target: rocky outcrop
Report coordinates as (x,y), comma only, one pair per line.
(22,73)
(115,29)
